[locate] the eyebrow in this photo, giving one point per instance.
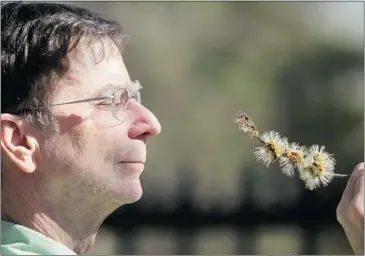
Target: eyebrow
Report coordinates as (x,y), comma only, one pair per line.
(109,87)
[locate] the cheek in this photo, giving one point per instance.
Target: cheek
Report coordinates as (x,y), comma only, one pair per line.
(78,132)
(99,143)
(81,143)
(103,118)
(68,143)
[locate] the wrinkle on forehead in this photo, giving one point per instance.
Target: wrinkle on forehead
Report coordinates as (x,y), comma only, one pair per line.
(92,65)
(85,57)
(89,53)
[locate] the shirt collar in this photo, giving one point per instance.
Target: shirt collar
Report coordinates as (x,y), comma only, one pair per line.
(18,239)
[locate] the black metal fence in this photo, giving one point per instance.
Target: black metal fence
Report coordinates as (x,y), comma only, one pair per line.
(309,215)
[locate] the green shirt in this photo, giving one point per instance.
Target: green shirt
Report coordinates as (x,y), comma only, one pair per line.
(20,240)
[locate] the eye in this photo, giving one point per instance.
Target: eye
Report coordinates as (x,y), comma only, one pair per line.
(104,103)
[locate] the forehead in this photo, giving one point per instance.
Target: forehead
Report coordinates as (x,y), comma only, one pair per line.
(91,67)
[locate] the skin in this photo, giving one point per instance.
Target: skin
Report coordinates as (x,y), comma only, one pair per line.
(75,171)
(350,210)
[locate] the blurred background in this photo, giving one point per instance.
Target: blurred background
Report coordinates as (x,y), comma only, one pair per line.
(295,67)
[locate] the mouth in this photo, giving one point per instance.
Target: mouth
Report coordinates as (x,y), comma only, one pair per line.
(132,166)
(132,162)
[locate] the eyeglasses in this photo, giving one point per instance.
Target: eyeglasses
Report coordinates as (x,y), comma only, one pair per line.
(116,101)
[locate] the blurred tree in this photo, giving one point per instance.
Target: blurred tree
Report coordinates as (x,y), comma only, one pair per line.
(316,113)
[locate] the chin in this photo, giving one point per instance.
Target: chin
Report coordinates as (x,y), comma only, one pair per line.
(129,191)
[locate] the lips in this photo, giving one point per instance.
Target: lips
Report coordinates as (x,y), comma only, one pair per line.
(132,162)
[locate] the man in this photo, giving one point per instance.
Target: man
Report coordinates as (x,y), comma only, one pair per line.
(74,132)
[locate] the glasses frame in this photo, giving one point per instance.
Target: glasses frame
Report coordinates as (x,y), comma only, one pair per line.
(135,94)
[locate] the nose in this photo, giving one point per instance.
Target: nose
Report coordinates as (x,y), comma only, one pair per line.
(145,124)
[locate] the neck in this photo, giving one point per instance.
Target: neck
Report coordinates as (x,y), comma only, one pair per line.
(54,216)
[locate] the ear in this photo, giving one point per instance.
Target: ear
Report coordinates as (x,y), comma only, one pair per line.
(17,145)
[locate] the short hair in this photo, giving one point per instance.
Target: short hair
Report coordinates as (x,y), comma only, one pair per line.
(35,41)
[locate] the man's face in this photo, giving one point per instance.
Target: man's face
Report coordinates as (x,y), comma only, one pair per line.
(87,150)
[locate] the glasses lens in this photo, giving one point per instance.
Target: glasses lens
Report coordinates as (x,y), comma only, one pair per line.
(137,89)
(137,96)
(122,99)
(118,103)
